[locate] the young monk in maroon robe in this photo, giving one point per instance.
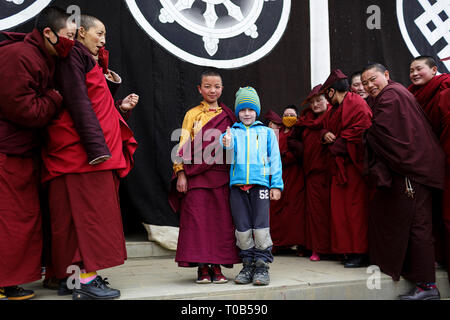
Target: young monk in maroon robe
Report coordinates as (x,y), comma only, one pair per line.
(344,125)
(432,91)
(28,101)
(86,222)
(273,120)
(317,177)
(200,188)
(404,162)
(287,216)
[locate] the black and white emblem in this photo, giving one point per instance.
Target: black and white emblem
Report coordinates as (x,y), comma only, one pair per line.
(219,33)
(425,27)
(16,12)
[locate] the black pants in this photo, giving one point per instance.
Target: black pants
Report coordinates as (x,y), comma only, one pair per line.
(250,211)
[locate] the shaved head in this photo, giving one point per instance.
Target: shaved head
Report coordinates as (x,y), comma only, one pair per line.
(429,60)
(377,66)
(87,21)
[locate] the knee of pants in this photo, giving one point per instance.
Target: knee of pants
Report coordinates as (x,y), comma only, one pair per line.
(244,240)
(262,238)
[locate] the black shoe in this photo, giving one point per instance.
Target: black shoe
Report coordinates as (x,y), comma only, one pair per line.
(97,289)
(345,259)
(2,294)
(18,293)
(357,261)
(51,283)
(420,294)
(63,290)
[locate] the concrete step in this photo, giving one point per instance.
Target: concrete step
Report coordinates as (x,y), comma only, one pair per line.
(146,249)
(292,278)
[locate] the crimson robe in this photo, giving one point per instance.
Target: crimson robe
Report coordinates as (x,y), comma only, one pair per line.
(402,149)
(317,181)
(27,103)
(287,215)
(206,229)
(349,197)
(434,98)
(85,215)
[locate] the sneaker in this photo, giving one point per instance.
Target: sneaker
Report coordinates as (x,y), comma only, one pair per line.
(97,289)
(2,294)
(314,257)
(261,275)
(17,293)
(420,294)
(245,276)
(217,275)
(203,274)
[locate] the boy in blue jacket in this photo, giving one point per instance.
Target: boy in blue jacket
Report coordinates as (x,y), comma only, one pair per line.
(255,179)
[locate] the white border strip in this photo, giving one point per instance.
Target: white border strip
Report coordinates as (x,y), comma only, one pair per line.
(404,31)
(23,15)
(320,41)
(225,64)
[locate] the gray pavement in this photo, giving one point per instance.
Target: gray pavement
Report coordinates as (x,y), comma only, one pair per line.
(292,278)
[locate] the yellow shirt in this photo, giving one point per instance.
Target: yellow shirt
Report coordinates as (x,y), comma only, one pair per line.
(193,122)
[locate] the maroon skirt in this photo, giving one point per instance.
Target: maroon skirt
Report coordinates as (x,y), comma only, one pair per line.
(20,221)
(86,222)
(206,233)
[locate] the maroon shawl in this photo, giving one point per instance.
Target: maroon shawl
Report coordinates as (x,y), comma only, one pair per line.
(205,174)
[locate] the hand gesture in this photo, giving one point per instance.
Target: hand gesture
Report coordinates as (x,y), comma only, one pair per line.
(129,102)
(329,138)
(182,185)
(227,138)
(275,194)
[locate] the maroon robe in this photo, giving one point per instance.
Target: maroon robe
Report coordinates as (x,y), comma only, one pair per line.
(287,215)
(27,103)
(349,195)
(434,98)
(206,229)
(317,180)
(401,144)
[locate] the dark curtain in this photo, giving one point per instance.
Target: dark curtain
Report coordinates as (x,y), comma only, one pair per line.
(167,85)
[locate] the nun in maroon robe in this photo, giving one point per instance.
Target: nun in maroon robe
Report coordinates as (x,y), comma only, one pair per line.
(86,222)
(206,229)
(28,101)
(317,180)
(349,197)
(434,98)
(404,161)
(287,216)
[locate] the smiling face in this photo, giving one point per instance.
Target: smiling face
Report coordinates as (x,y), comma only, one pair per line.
(211,89)
(374,81)
(319,104)
(247,116)
(358,88)
(94,38)
(420,72)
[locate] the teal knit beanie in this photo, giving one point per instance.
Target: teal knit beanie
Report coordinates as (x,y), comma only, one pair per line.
(247,98)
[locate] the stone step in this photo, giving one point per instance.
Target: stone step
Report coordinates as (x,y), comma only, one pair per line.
(292,278)
(146,249)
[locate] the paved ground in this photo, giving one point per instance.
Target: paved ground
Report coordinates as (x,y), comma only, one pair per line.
(292,278)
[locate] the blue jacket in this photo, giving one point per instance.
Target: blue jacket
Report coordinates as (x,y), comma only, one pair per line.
(256,156)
